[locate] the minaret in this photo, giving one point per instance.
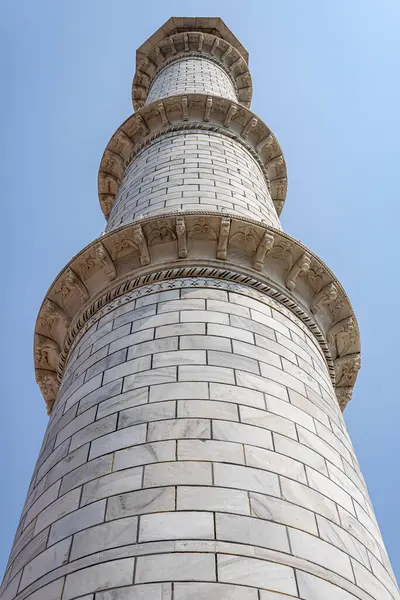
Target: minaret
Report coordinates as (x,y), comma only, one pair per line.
(195,361)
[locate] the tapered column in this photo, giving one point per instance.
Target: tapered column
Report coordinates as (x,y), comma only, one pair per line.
(195,361)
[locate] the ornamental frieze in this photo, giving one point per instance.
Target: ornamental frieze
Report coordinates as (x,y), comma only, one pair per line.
(185,112)
(192,44)
(197,244)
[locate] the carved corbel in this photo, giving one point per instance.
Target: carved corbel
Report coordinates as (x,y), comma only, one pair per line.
(248,127)
(107,202)
(226,53)
(52,315)
(142,124)
(267,141)
(201,42)
(278,206)
(159,53)
(222,247)
(346,369)
(341,336)
(47,352)
(324,297)
(163,114)
(343,395)
(186,41)
(181,236)
(214,46)
(301,265)
(281,186)
(140,240)
(208,108)
(122,242)
(232,110)
(266,243)
(235,64)
(185,108)
(278,165)
(106,261)
(47,381)
(172,45)
(68,283)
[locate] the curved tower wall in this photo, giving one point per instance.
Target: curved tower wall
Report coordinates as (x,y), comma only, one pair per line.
(193,170)
(196,447)
(188,75)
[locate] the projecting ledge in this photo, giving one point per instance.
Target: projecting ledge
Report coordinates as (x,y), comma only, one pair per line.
(184,113)
(197,244)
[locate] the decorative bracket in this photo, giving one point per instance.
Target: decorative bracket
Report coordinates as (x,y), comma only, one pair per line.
(68,283)
(50,315)
(324,297)
(232,110)
(47,353)
(185,108)
(47,381)
(266,243)
(142,124)
(300,266)
(208,108)
(248,127)
(105,260)
(140,240)
(223,238)
(343,395)
(163,114)
(180,226)
(346,369)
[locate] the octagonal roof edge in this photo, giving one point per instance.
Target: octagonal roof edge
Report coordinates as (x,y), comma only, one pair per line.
(213,25)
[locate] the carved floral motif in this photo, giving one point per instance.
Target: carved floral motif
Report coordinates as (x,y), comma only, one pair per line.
(69,283)
(202,229)
(342,336)
(324,297)
(51,315)
(346,369)
(47,352)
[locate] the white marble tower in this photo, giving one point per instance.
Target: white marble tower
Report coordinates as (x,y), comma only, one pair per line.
(195,361)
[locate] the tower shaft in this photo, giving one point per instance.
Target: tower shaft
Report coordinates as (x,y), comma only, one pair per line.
(195,361)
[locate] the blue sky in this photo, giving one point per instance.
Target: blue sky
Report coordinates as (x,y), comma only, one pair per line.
(326,81)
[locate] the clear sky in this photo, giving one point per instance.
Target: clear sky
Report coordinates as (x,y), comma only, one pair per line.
(326,81)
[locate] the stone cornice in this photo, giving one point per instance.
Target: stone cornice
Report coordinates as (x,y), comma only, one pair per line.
(196,244)
(183,45)
(207,25)
(191,111)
